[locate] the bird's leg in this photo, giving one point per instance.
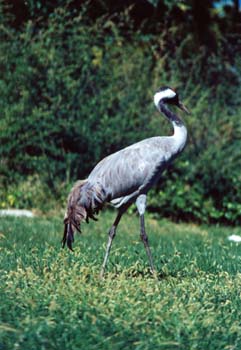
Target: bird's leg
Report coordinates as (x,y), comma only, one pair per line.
(144,239)
(112,233)
(141,206)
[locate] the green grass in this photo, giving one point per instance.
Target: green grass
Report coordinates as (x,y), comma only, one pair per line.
(53,299)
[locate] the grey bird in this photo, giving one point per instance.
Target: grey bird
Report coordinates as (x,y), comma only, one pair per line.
(126,176)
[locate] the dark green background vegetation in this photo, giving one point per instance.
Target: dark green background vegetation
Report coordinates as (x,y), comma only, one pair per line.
(77,81)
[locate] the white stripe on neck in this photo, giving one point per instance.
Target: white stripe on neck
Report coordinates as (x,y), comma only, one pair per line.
(168,93)
(179,137)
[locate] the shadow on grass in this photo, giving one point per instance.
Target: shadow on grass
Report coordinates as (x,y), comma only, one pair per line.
(144,274)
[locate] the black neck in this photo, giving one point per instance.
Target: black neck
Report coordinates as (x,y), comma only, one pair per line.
(169,114)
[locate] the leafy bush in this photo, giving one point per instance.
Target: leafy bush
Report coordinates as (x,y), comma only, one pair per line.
(32,193)
(74,90)
(69,86)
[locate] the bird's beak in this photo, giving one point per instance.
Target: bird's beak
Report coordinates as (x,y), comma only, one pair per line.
(183,108)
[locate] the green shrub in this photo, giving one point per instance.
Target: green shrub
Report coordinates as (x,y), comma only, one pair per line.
(31,193)
(73,91)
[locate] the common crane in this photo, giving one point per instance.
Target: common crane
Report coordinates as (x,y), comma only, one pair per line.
(126,176)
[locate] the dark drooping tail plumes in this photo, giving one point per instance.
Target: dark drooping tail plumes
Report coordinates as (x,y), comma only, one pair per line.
(84,201)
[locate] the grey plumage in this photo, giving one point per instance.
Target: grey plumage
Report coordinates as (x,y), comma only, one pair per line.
(126,176)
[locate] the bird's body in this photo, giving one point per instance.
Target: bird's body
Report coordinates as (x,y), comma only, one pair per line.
(134,169)
(126,176)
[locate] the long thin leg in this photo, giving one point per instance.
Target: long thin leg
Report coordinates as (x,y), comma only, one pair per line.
(112,233)
(141,206)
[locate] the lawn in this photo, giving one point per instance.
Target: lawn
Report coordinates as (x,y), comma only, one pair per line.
(53,299)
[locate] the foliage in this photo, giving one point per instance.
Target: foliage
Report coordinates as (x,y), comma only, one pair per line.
(33,193)
(68,96)
(54,298)
(77,86)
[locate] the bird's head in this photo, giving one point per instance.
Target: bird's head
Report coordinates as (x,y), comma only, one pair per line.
(168,95)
